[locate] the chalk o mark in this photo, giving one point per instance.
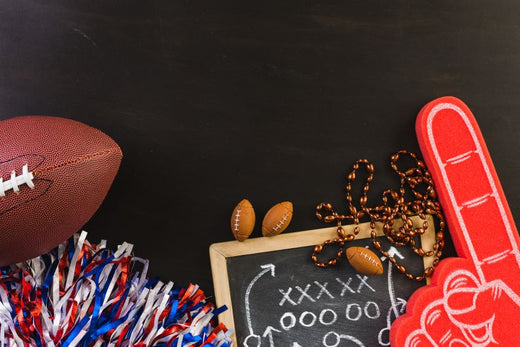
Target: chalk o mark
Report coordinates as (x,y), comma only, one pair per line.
(255,341)
(322,315)
(309,324)
(377,312)
(357,316)
(337,339)
(292,321)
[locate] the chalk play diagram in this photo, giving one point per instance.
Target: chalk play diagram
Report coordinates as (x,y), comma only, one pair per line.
(288,305)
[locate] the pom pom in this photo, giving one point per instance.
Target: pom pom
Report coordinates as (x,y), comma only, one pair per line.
(82,294)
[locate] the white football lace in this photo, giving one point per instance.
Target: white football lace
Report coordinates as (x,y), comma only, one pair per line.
(237,220)
(282,222)
(15,182)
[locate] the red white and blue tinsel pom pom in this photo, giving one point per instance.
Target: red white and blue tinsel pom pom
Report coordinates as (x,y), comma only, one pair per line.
(83,294)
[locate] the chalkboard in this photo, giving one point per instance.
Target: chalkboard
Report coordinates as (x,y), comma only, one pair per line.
(277,296)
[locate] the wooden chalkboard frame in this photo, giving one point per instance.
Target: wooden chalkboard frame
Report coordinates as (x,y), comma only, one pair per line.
(218,253)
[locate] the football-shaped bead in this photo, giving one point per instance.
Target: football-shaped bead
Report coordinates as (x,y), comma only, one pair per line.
(54,174)
(277,219)
(243,220)
(364,261)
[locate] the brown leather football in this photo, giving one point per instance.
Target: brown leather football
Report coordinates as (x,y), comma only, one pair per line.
(364,261)
(277,219)
(54,174)
(243,220)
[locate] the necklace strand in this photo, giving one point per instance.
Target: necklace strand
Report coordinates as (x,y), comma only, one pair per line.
(394,206)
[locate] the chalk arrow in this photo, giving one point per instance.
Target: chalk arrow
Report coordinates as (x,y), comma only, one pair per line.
(391,290)
(269,332)
(265,269)
(270,267)
(398,307)
(402,304)
(393,252)
(296,344)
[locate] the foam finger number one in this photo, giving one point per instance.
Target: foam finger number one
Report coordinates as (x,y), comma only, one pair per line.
(483,232)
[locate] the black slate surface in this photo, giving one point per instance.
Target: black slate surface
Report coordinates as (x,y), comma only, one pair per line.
(212,102)
(282,298)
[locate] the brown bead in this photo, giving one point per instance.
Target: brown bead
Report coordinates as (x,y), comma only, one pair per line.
(401,269)
(350,237)
(328,219)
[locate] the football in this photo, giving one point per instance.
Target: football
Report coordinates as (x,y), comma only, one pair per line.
(54,175)
(277,219)
(243,220)
(364,261)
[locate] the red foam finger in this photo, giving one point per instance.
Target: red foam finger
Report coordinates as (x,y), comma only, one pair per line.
(479,292)
(470,193)
(463,302)
(418,339)
(438,326)
(426,315)
(487,313)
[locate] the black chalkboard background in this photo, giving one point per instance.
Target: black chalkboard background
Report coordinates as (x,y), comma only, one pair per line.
(216,101)
(304,305)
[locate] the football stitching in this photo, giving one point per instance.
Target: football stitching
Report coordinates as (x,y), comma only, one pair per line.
(369,258)
(281,222)
(83,158)
(15,181)
(26,177)
(237,219)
